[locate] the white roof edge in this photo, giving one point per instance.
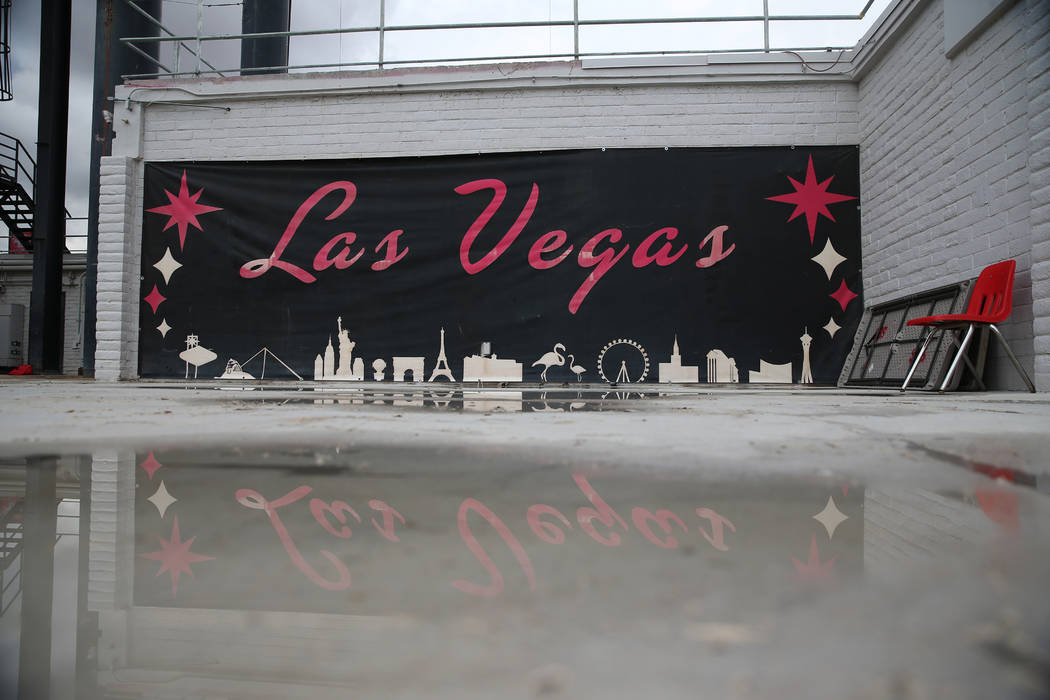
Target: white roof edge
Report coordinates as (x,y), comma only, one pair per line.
(882,35)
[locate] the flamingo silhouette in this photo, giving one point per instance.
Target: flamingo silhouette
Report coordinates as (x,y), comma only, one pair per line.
(576,369)
(550,359)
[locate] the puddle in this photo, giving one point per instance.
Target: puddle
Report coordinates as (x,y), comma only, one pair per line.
(390,571)
(470,401)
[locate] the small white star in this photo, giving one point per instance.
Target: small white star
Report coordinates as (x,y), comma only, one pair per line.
(831,517)
(167,265)
(164,328)
(829,259)
(162,499)
(831,327)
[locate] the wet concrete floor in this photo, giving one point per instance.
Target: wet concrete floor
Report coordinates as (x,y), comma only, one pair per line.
(576,542)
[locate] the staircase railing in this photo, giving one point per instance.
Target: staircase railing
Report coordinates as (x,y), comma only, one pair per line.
(16,165)
(18,193)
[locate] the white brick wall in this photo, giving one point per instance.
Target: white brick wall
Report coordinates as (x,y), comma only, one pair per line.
(955,164)
(565,114)
(119,242)
(473,121)
(946,185)
(1037,69)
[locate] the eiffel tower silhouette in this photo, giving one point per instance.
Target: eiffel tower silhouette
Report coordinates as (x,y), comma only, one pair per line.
(442,369)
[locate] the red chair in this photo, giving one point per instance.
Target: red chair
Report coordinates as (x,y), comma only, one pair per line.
(991,303)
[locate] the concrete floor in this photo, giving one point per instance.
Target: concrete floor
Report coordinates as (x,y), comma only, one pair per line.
(768,542)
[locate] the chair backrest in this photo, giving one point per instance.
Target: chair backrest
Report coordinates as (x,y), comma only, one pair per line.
(993,294)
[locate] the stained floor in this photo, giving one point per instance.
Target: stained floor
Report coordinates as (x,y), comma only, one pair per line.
(575,542)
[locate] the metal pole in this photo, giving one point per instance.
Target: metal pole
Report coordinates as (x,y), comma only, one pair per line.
(576,30)
(200,30)
(765,25)
(49,219)
(382,31)
(38,574)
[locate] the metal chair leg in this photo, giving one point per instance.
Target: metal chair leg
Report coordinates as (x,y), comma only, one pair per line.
(958,358)
(970,365)
(1013,358)
(918,358)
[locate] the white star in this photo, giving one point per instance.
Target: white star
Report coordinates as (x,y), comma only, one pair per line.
(162,499)
(831,327)
(167,265)
(164,328)
(831,517)
(829,259)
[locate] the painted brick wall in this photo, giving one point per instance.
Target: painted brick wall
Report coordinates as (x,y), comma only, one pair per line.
(428,122)
(1037,68)
(945,179)
(471,121)
(116,354)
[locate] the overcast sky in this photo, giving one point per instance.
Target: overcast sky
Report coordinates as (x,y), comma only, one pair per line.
(18,117)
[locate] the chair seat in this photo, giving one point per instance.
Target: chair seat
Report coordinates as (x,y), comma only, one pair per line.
(948,320)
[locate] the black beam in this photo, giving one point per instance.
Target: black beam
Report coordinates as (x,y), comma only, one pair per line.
(113,59)
(265,16)
(49,219)
(39,525)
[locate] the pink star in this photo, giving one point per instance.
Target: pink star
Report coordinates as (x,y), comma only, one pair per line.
(814,570)
(175,556)
(183,210)
(843,295)
(811,198)
(154,299)
(151,465)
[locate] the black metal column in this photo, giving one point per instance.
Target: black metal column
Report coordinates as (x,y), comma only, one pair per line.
(265,16)
(40,522)
(113,20)
(49,221)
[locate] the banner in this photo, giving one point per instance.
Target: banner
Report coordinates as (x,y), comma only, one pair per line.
(630,265)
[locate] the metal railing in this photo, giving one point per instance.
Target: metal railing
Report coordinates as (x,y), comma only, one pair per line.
(16,165)
(76,243)
(18,197)
(193,44)
(5,51)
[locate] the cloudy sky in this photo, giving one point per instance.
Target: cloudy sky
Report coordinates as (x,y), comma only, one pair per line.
(18,117)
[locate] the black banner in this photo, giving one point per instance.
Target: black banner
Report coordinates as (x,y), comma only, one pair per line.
(678,265)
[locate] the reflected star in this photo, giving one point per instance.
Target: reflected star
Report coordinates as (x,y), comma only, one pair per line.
(831,517)
(182,210)
(151,465)
(814,570)
(175,556)
(811,198)
(162,500)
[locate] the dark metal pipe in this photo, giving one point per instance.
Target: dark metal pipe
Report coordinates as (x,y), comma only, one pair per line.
(40,522)
(49,219)
(113,20)
(257,54)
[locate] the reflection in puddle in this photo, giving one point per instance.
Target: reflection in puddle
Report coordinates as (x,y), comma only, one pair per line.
(311,572)
(474,401)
